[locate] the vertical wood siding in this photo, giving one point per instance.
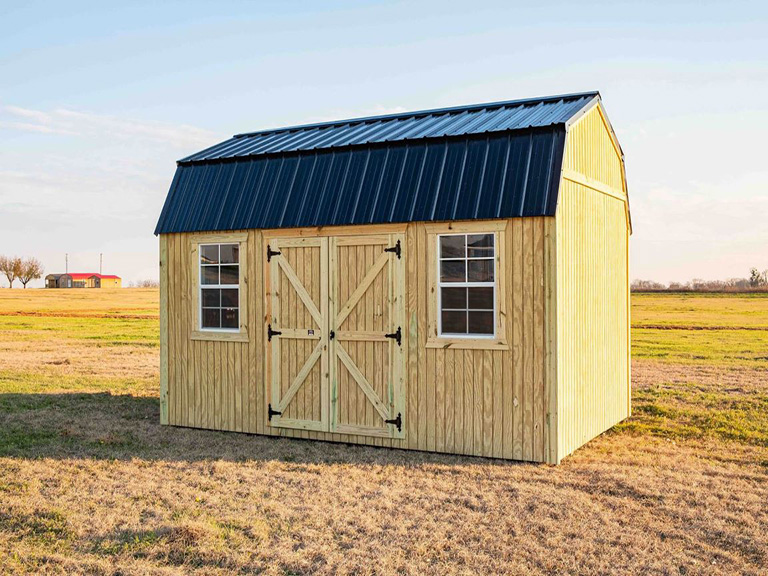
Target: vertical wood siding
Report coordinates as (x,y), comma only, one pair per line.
(492,403)
(593,391)
(590,150)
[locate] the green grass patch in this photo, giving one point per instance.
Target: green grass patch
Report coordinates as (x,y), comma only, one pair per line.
(19,440)
(691,410)
(42,526)
(723,347)
(49,382)
(97,425)
(697,309)
(106,331)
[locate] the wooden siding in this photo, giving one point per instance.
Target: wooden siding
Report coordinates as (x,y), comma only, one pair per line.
(591,150)
(592,284)
(484,402)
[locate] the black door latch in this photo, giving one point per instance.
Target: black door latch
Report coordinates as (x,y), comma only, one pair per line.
(271,253)
(271,413)
(397,422)
(398,336)
(332,335)
(271,333)
(397,249)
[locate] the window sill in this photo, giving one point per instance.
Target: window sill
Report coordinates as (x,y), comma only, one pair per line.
(206,335)
(467,343)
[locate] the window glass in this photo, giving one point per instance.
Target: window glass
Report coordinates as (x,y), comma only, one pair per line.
(481,298)
(480,270)
(480,322)
(211,298)
(230,253)
(229,275)
(454,322)
(454,298)
(467,274)
(209,275)
(209,254)
(219,286)
(453,271)
(480,246)
(229,298)
(452,246)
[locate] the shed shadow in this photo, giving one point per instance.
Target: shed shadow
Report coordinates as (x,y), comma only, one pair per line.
(105,426)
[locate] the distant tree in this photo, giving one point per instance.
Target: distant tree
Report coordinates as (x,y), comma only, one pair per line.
(145,284)
(11,267)
(757,278)
(678,286)
(641,285)
(30,269)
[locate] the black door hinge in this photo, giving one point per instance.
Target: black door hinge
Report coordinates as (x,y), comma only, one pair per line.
(332,335)
(398,336)
(397,422)
(397,249)
(271,413)
(271,253)
(271,333)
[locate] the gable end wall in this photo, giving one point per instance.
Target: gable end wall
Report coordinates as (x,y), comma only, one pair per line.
(592,286)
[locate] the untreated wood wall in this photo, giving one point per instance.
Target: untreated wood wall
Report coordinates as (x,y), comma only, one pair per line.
(592,319)
(485,402)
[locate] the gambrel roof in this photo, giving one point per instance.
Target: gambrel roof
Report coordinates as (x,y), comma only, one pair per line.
(497,160)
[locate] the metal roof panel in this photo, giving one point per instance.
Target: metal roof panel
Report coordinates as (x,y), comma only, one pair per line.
(456,121)
(497,160)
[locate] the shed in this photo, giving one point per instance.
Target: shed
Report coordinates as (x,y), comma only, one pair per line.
(82,280)
(52,280)
(450,280)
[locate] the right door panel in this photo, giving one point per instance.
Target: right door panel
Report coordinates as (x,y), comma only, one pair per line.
(367,360)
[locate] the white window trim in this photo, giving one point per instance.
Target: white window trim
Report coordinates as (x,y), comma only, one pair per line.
(201,286)
(466,284)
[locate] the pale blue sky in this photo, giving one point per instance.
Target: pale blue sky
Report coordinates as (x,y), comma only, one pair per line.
(98,100)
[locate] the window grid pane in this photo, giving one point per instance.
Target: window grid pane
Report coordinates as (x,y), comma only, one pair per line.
(219,286)
(466,270)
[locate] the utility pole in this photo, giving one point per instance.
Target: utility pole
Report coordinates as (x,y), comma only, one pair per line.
(66,263)
(101,261)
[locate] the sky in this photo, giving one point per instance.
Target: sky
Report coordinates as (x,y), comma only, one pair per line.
(99,99)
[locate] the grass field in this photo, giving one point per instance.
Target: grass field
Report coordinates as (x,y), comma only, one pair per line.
(90,483)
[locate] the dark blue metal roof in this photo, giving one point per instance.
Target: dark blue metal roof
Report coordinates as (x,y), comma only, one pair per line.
(486,161)
(458,121)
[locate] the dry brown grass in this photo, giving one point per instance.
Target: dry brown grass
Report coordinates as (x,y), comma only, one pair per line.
(90,483)
(131,302)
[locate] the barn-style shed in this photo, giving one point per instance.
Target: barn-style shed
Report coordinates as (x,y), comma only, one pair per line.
(451,280)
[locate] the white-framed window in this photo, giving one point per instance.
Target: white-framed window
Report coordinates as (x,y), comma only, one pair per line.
(219,287)
(466,274)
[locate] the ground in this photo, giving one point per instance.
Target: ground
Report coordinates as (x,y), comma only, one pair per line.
(90,483)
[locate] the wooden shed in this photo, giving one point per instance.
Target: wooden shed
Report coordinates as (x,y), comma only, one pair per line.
(451,280)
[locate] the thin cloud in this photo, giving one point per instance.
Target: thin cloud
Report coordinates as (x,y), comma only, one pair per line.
(91,125)
(39,128)
(40,117)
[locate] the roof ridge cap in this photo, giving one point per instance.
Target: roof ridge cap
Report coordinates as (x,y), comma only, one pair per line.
(417,113)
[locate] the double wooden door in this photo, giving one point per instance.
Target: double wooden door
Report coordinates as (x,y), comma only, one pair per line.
(336,334)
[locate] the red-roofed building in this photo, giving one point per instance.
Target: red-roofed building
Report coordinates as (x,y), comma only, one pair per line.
(82,280)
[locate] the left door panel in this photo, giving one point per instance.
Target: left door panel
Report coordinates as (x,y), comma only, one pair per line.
(298,331)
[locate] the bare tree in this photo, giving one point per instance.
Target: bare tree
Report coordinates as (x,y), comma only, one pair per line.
(149,283)
(11,267)
(639,285)
(30,269)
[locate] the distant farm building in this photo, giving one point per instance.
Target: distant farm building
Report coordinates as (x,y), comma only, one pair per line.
(450,280)
(82,280)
